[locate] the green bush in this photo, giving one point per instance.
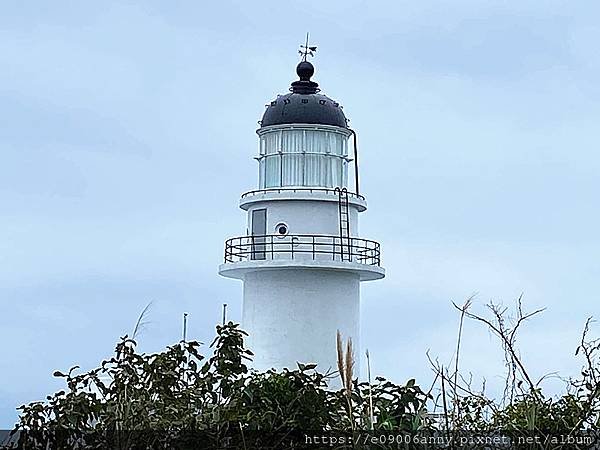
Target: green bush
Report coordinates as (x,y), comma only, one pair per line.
(136,400)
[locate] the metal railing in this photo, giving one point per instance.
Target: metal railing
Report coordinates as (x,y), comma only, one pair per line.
(302,247)
(300,189)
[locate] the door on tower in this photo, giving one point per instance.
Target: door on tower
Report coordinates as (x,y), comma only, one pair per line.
(259,230)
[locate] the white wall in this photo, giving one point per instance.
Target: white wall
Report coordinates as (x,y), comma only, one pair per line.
(293,315)
(305,217)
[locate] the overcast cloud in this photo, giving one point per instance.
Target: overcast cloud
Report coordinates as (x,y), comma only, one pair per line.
(127,136)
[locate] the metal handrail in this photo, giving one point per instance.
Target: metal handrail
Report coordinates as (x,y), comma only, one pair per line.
(331,191)
(302,246)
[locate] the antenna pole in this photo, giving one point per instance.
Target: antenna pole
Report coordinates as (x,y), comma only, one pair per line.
(305,50)
(185,326)
(306,47)
(224,312)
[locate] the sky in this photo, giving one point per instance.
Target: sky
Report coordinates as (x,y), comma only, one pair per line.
(127,132)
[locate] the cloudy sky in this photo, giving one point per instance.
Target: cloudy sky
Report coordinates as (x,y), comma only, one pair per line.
(127,135)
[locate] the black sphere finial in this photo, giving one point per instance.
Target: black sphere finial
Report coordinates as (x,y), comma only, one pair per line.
(305,70)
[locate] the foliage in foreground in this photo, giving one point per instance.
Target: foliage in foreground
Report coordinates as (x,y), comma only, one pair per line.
(118,404)
(178,389)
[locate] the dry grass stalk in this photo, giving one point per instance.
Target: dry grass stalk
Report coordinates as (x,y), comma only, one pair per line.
(349,366)
(340,357)
(141,322)
(345,362)
(456,408)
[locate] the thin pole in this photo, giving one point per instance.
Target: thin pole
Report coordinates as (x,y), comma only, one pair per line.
(224,312)
(305,48)
(370,392)
(185,326)
(355,160)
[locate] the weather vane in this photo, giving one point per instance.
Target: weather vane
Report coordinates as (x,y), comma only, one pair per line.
(305,50)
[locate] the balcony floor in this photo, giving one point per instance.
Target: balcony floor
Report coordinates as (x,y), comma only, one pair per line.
(238,270)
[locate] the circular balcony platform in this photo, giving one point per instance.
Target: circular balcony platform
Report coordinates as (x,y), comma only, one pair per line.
(251,253)
(300,193)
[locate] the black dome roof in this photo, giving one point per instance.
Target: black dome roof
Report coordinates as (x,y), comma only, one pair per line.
(304,108)
(304,104)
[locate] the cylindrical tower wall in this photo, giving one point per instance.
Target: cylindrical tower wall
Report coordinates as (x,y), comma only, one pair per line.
(293,316)
(303,217)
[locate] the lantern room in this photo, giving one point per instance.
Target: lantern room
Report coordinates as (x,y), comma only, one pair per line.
(303,138)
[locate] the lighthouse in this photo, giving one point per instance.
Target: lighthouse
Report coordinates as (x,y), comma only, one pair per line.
(302,259)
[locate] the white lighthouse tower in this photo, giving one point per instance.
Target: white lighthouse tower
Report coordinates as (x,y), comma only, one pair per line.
(302,260)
